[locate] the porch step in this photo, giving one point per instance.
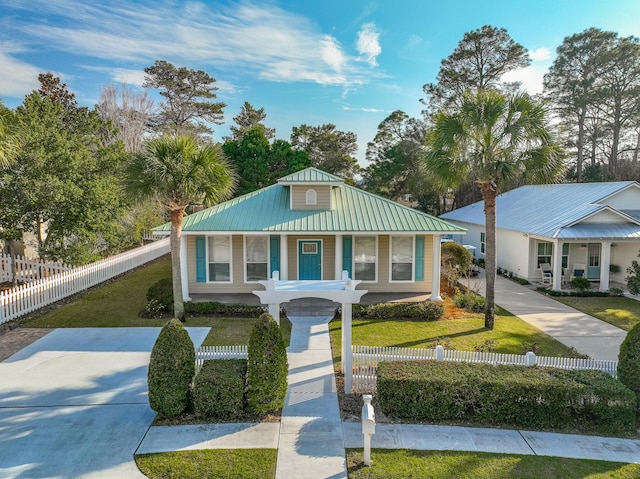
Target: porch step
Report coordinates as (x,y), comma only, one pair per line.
(310,307)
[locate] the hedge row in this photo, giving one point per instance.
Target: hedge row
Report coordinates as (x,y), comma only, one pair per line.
(581,294)
(219,389)
(423,311)
(532,397)
(213,308)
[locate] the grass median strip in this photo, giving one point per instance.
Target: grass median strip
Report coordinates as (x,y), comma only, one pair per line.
(619,311)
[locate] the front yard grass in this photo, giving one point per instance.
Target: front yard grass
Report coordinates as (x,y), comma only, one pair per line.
(460,330)
(402,463)
(118,304)
(619,311)
(210,464)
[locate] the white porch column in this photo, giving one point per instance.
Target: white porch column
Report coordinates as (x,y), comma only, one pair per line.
(347,368)
(184,273)
(557,266)
(435,270)
(605,261)
(338,258)
(284,258)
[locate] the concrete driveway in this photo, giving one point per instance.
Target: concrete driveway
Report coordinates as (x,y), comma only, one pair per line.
(74,403)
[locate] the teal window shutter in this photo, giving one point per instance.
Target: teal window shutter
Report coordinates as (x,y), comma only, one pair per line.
(347,255)
(201,259)
(419,258)
(274,255)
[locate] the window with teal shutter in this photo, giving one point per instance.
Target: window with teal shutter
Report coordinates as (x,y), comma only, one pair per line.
(274,255)
(201,260)
(419,258)
(347,254)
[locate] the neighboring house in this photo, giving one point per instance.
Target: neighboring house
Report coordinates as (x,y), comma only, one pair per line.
(311,226)
(588,226)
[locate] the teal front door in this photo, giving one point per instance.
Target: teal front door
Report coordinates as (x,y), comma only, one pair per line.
(593,266)
(310,260)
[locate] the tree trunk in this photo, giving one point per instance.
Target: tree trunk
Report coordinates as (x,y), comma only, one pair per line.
(176,233)
(635,151)
(489,193)
(580,145)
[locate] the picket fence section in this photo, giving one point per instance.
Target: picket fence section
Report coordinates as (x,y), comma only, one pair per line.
(205,353)
(32,296)
(366,359)
(28,270)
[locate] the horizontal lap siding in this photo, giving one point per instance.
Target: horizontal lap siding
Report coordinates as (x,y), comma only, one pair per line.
(299,197)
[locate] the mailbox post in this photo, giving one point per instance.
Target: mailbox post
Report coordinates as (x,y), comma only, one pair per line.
(368,427)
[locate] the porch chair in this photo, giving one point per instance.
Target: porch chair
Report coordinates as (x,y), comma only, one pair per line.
(546,273)
(577,271)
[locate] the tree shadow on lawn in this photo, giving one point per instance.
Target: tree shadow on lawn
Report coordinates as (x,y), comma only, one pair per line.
(434,339)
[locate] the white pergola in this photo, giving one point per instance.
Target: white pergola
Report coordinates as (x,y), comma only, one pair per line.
(344,292)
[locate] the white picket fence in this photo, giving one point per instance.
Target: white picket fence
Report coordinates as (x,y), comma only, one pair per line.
(32,296)
(28,270)
(366,359)
(205,353)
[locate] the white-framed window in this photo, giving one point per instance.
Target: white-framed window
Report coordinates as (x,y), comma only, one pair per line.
(365,258)
(545,252)
(256,258)
(402,255)
(219,254)
(309,248)
(483,242)
(311,197)
(565,256)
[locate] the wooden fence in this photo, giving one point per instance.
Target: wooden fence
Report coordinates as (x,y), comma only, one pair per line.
(205,353)
(366,359)
(32,296)
(28,270)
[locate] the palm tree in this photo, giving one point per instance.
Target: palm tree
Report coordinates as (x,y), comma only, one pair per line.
(496,140)
(176,171)
(9,137)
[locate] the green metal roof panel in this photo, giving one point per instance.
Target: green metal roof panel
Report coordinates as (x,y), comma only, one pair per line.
(310,175)
(354,211)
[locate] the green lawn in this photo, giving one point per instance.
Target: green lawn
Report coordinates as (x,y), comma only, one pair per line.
(210,464)
(118,304)
(401,464)
(464,334)
(619,311)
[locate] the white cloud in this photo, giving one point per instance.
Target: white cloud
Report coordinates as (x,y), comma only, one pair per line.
(17,78)
(540,54)
(366,110)
(264,40)
(531,79)
(368,43)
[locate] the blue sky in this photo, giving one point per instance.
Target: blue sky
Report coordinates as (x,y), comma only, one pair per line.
(345,62)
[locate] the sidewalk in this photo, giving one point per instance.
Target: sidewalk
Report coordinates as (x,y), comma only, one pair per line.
(591,336)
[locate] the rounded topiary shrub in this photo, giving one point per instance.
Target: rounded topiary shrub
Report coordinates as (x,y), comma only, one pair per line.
(219,389)
(171,370)
(160,295)
(629,361)
(267,367)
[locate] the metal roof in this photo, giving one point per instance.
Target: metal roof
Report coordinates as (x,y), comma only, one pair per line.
(354,211)
(545,210)
(311,175)
(600,231)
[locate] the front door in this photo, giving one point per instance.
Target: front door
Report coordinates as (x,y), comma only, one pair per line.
(310,260)
(593,264)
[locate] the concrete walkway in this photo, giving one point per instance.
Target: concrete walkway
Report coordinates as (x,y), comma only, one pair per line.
(588,335)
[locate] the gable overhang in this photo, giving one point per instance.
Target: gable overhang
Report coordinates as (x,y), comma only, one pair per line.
(633,184)
(621,214)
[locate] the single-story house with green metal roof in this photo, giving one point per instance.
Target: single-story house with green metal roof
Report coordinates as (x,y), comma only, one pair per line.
(579,229)
(311,226)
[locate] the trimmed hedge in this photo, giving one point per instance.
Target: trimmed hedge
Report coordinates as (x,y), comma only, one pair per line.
(213,308)
(171,370)
(160,298)
(267,367)
(515,396)
(423,311)
(581,294)
(219,389)
(470,301)
(629,361)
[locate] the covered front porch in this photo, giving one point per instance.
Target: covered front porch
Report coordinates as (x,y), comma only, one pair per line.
(602,261)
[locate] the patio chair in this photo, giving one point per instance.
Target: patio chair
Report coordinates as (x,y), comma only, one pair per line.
(578,271)
(546,273)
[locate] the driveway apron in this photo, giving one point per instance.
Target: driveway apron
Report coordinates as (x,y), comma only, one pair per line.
(74,403)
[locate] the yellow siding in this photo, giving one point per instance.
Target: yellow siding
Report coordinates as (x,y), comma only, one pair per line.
(328,266)
(299,197)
